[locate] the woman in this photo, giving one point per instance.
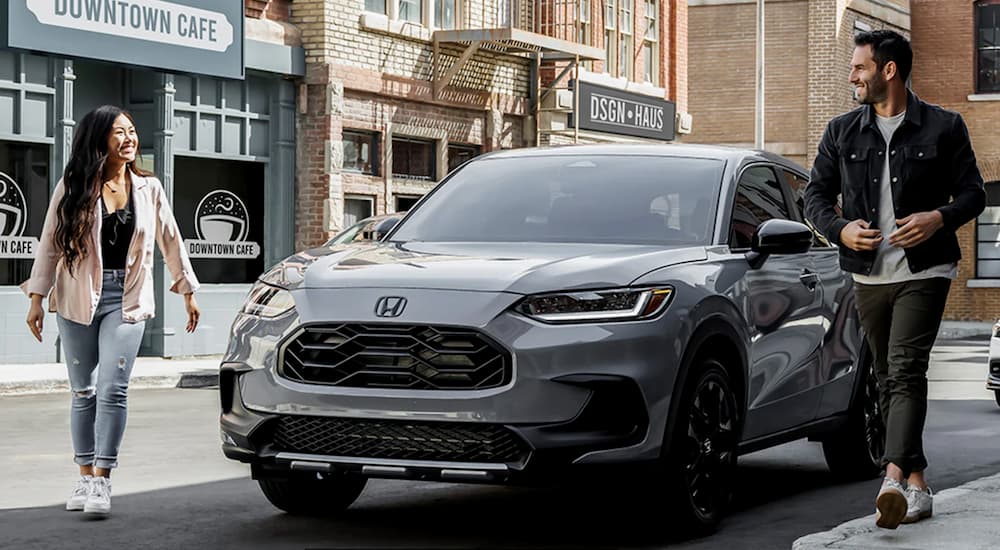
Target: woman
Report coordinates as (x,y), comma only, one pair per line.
(96,257)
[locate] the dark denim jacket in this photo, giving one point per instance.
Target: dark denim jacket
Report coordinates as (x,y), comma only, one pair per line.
(932,166)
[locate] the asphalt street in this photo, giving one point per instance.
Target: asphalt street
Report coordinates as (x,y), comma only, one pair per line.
(175,490)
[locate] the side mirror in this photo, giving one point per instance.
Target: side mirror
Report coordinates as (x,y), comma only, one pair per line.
(778,237)
(384,228)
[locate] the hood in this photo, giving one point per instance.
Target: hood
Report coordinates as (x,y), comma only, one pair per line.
(489,267)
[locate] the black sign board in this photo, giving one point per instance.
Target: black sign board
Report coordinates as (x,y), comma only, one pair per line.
(614,111)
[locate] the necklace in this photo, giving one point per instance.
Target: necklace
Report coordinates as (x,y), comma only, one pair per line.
(111,187)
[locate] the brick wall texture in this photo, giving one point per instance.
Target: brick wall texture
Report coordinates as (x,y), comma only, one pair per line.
(944,73)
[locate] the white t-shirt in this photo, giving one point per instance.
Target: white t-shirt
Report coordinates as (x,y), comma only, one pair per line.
(890,261)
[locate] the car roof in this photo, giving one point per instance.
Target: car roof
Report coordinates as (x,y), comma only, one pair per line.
(682,150)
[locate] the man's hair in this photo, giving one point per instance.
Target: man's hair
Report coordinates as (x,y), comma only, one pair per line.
(888,46)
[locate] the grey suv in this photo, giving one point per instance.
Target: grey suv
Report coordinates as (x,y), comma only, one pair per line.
(662,308)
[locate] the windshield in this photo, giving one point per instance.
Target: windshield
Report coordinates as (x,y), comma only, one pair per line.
(620,199)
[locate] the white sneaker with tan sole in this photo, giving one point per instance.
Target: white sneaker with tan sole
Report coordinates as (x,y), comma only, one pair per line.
(890,504)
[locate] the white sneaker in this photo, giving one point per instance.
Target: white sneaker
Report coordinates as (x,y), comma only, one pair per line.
(919,504)
(80,494)
(99,500)
(890,504)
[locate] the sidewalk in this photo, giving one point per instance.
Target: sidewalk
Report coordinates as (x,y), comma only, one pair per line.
(966,517)
(148,372)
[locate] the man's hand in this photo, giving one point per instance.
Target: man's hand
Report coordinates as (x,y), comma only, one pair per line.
(857,236)
(916,228)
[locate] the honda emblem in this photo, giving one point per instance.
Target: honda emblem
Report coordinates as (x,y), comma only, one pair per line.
(390,306)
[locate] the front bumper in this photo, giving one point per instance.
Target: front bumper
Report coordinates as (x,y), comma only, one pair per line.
(993,376)
(579,395)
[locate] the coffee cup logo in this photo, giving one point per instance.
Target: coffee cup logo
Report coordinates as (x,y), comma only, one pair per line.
(222,224)
(14,221)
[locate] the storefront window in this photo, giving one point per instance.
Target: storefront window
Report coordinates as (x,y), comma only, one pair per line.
(988,235)
(413,158)
(361,152)
(219,206)
(24,199)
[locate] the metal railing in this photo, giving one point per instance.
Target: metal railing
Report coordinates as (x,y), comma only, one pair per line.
(554,18)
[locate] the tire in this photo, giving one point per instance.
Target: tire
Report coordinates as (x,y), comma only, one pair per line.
(313,494)
(700,467)
(855,451)
(996,395)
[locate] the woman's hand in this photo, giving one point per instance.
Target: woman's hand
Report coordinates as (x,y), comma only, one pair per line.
(36,316)
(192,310)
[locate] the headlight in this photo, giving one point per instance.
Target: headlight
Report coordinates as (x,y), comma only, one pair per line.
(597,305)
(996,329)
(268,301)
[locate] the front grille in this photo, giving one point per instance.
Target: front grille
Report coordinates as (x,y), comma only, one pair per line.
(448,441)
(395,356)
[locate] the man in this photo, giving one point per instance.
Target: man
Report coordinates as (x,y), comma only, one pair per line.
(908,179)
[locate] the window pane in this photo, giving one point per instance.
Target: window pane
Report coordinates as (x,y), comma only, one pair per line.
(219,207)
(648,61)
(376,6)
(356,210)
(758,199)
(609,51)
(584,199)
(409,10)
(458,154)
(24,199)
(360,152)
(413,158)
(989,71)
(444,14)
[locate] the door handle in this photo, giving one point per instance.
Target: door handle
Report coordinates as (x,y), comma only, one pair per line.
(809,278)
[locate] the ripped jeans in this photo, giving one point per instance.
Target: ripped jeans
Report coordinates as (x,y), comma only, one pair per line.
(100,357)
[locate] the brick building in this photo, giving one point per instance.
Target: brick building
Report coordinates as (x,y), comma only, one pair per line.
(957,65)
(808,47)
(397,93)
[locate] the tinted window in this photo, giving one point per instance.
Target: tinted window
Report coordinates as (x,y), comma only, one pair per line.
(758,199)
(589,199)
(798,185)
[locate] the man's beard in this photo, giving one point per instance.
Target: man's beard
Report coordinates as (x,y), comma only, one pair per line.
(877,91)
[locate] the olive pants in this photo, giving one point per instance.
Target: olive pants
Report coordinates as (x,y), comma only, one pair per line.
(901,321)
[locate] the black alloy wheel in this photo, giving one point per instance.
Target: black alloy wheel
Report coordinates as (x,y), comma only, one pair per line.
(703,451)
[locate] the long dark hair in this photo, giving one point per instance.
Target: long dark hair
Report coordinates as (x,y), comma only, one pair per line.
(82,182)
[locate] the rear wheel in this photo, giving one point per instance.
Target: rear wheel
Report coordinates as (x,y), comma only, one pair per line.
(855,451)
(700,467)
(313,494)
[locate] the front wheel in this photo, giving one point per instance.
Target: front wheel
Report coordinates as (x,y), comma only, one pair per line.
(313,494)
(701,464)
(855,451)
(996,394)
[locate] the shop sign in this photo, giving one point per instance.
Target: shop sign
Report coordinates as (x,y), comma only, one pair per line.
(222,225)
(196,36)
(614,111)
(13,221)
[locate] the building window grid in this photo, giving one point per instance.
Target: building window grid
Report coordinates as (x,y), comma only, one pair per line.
(650,44)
(626,30)
(987,46)
(583,19)
(222,111)
(23,86)
(988,235)
(610,36)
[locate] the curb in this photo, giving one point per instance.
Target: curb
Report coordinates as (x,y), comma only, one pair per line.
(33,387)
(863,525)
(205,378)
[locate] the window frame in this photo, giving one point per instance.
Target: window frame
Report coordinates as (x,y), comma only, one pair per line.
(651,66)
(978,241)
(370,199)
(374,154)
(978,47)
(476,150)
(433,143)
(782,188)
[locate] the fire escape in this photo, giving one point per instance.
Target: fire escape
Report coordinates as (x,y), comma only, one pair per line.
(547,31)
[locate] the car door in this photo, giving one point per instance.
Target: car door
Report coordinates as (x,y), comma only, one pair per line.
(782,301)
(842,335)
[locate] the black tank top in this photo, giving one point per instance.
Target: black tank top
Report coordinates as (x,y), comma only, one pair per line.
(116,234)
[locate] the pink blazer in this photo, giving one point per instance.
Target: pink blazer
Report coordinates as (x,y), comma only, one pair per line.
(75,297)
